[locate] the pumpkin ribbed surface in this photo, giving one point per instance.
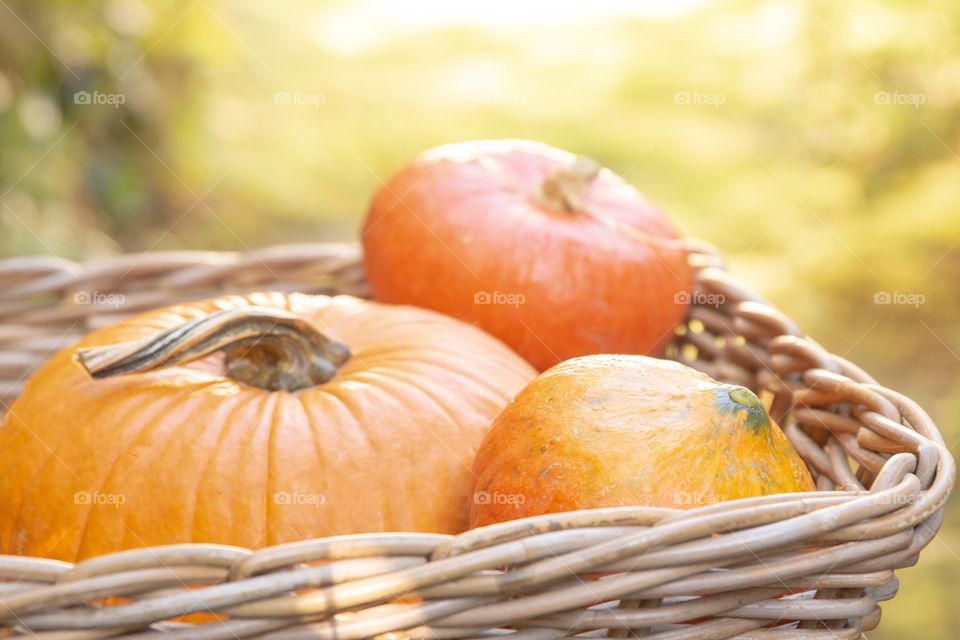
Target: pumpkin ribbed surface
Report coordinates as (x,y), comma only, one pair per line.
(188,454)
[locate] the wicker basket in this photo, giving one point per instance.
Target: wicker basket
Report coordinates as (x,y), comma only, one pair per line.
(718,571)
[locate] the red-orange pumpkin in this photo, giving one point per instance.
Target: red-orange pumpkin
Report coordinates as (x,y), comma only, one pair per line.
(283,436)
(553,255)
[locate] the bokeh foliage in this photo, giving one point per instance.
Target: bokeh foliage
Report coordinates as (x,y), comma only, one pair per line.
(816,143)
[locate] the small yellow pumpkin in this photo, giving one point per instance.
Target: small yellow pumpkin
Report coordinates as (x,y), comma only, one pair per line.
(613,430)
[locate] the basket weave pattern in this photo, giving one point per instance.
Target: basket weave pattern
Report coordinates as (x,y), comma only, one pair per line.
(793,566)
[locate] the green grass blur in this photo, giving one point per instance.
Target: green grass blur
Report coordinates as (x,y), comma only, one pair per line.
(816,143)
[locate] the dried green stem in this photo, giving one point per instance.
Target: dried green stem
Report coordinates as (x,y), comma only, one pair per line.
(267,348)
(566,187)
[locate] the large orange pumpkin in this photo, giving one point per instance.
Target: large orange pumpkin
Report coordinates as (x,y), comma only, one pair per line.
(553,255)
(609,431)
(302,416)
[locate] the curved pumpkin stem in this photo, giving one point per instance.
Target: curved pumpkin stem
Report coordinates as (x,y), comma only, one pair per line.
(267,348)
(564,189)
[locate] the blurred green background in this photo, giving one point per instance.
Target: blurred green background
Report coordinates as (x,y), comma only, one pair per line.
(816,143)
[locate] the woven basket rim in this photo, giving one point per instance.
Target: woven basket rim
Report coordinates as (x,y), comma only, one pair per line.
(663,552)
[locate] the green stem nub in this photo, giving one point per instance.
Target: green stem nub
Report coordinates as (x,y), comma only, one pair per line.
(745,397)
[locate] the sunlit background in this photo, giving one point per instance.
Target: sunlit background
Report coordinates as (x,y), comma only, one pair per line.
(816,143)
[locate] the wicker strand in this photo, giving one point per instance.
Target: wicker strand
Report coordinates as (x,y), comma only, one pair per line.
(787,566)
